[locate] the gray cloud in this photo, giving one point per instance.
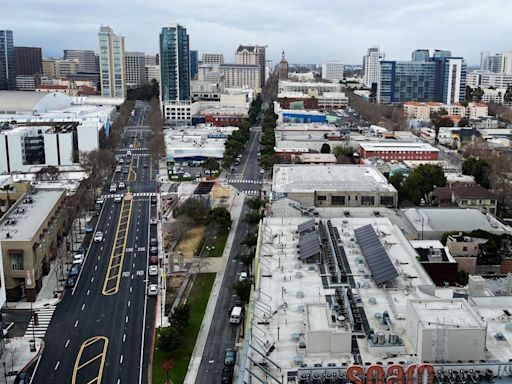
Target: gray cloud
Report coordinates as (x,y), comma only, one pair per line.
(310,32)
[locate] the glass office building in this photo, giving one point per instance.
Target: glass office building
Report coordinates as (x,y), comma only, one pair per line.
(7,61)
(174,64)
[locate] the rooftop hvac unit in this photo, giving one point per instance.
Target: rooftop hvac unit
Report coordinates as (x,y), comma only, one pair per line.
(372,300)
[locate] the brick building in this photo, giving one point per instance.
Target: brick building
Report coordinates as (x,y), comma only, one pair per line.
(398,151)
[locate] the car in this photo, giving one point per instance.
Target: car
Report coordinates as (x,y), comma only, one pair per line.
(121,185)
(186,174)
(227,375)
(118,198)
(113,188)
(118,169)
(89,228)
(74,270)
(237,162)
(70,282)
(100,201)
(242,276)
(125,170)
(153,200)
(98,237)
(131,146)
(153,242)
(153,270)
(262,171)
(152,290)
(153,221)
(78,258)
(153,251)
(121,161)
(153,260)
(229,357)
(128,153)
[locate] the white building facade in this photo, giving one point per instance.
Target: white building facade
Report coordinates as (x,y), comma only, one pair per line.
(135,69)
(112,68)
(371,67)
(332,70)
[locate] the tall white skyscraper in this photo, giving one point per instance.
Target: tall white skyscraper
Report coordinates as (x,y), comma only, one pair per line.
(497,63)
(112,67)
(371,67)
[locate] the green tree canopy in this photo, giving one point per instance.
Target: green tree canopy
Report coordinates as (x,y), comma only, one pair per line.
(193,209)
(211,164)
(464,122)
(479,169)
(422,181)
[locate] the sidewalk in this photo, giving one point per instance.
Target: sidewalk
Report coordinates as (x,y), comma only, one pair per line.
(17,355)
(195,360)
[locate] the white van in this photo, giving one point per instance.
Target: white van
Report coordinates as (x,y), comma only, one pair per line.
(236,315)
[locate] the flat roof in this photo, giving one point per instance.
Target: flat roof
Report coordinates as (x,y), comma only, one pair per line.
(391,145)
(453,219)
(26,216)
(337,177)
(448,313)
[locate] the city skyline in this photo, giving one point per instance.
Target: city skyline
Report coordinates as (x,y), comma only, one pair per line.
(341,32)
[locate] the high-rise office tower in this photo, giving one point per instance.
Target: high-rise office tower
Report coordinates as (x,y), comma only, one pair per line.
(7,61)
(420,55)
(440,53)
(252,54)
(28,61)
(86,59)
(371,66)
(497,63)
(174,63)
(135,68)
(151,59)
(194,62)
(112,76)
(440,79)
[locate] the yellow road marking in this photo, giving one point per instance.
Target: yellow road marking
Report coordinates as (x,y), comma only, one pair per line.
(132,175)
(118,254)
(102,355)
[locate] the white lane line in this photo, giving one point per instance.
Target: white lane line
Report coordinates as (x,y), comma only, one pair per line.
(121,359)
(76,323)
(67,343)
(98,257)
(124,337)
(83,306)
(57,365)
(92,279)
(126,320)
(88,292)
(131,289)
(129,303)
(95,267)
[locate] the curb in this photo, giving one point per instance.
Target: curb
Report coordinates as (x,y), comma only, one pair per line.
(31,361)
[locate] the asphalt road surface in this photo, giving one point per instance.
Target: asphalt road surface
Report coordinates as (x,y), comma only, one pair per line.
(102,331)
(222,334)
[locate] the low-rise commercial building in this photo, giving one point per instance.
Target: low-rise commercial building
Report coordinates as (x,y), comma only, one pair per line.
(398,151)
(424,110)
(234,75)
(308,87)
(333,185)
(30,236)
(437,261)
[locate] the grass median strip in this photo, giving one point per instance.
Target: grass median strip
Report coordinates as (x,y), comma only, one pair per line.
(197,301)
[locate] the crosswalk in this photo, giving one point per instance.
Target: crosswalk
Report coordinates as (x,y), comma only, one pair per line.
(242,181)
(137,194)
(251,193)
(44,316)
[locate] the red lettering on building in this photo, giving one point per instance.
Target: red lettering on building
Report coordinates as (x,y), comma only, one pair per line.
(396,374)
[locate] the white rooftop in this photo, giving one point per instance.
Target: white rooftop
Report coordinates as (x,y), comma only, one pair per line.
(26,216)
(392,145)
(452,219)
(309,178)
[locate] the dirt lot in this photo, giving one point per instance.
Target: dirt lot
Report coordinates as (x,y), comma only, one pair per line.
(190,241)
(173,286)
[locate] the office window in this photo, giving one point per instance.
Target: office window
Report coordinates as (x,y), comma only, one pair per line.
(367,200)
(387,201)
(337,200)
(17,261)
(321,198)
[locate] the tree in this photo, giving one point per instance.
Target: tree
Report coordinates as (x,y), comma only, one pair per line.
(169,339)
(243,290)
(193,209)
(469,93)
(211,164)
(464,122)
(479,169)
(48,173)
(396,180)
(219,216)
(422,181)
(255,203)
(326,148)
(477,94)
(251,240)
(246,258)
(7,188)
(253,218)
(180,317)
(440,119)
(343,153)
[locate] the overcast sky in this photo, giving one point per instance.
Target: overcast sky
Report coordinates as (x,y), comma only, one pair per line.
(309,31)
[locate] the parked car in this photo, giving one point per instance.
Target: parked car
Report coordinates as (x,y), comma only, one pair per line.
(78,258)
(152,290)
(98,237)
(153,270)
(153,221)
(229,357)
(118,169)
(113,187)
(125,170)
(242,277)
(89,228)
(71,281)
(100,201)
(262,171)
(128,153)
(74,270)
(227,375)
(153,260)
(153,251)
(153,242)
